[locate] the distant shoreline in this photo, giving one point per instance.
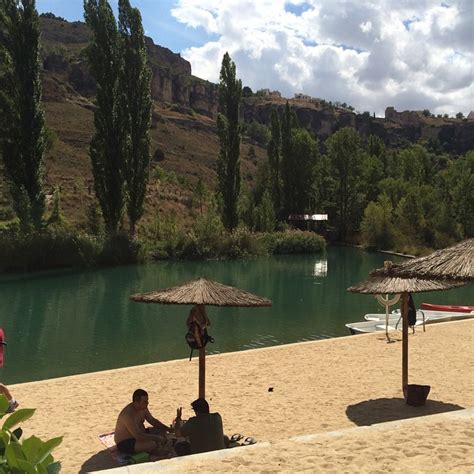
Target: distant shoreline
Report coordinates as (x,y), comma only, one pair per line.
(398,254)
(361,247)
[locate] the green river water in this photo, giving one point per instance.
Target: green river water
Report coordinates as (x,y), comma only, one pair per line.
(67,323)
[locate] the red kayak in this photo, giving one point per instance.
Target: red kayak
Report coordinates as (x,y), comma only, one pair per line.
(447,307)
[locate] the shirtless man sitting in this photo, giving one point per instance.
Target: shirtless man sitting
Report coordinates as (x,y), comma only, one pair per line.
(131,436)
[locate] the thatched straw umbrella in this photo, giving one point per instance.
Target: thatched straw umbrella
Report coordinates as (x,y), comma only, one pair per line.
(452,263)
(203,292)
(389,284)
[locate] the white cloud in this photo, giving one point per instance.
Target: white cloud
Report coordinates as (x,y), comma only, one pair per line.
(412,55)
(366,27)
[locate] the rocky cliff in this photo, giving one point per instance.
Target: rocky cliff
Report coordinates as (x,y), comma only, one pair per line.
(63,46)
(451,135)
(66,72)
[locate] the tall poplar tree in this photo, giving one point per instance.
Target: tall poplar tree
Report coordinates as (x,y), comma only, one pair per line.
(229,131)
(287,124)
(274,158)
(136,81)
(108,148)
(22,141)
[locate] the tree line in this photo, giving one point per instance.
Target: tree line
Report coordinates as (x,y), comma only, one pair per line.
(394,199)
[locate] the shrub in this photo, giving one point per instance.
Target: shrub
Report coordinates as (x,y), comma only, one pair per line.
(120,249)
(57,218)
(247,92)
(159,154)
(52,247)
(294,241)
(241,243)
(208,232)
(12,225)
(94,220)
(6,213)
(30,455)
(165,176)
(258,132)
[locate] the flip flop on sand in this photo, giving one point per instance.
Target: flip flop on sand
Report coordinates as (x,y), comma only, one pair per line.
(236,437)
(248,441)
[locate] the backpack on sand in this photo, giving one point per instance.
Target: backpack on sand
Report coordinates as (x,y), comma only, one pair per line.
(197,337)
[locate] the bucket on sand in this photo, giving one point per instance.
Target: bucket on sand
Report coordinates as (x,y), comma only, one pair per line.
(416,395)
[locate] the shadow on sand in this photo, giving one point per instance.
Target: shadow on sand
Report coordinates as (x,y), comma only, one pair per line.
(98,461)
(381,410)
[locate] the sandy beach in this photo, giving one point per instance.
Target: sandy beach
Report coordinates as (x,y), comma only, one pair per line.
(318,387)
(423,444)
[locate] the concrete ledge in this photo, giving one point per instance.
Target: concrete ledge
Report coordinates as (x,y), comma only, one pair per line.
(466,414)
(173,464)
(182,464)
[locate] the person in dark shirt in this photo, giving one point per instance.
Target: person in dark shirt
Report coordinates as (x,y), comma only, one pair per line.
(205,431)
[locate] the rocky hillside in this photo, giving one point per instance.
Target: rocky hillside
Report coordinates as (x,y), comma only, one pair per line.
(183,138)
(173,83)
(396,129)
(63,45)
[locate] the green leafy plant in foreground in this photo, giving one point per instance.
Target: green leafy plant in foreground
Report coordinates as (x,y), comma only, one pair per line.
(31,455)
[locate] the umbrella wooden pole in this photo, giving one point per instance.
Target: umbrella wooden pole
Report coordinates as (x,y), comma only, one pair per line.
(202,372)
(405,342)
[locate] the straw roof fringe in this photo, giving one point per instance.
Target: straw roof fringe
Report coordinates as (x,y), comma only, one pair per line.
(202,291)
(452,263)
(380,285)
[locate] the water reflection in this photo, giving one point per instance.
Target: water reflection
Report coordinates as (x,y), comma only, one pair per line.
(60,324)
(320,268)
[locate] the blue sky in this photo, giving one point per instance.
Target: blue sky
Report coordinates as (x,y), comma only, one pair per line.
(409,54)
(156,17)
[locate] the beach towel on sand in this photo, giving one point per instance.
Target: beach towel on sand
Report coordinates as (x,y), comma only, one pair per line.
(107,439)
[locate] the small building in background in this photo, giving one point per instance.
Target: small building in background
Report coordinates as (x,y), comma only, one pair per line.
(268,93)
(275,94)
(306,98)
(263,92)
(407,117)
(312,222)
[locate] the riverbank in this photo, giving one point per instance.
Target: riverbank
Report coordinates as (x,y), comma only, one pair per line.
(316,387)
(65,247)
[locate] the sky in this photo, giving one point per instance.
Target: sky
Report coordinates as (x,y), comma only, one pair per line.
(409,54)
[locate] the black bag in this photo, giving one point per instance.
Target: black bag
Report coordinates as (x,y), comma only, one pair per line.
(411,311)
(195,342)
